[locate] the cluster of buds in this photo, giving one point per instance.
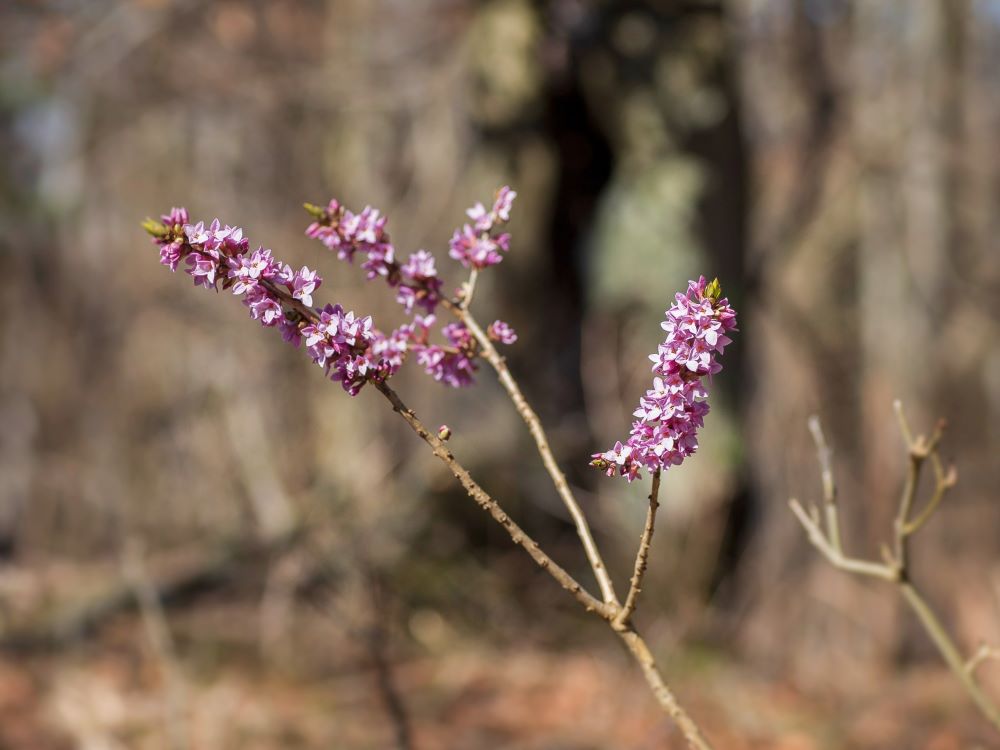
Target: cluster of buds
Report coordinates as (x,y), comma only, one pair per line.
(349,348)
(478,245)
(671,412)
(416,281)
(453,364)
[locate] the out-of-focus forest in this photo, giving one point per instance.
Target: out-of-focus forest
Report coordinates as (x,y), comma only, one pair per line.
(206,544)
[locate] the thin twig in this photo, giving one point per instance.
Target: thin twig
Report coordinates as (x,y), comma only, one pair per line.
(900,536)
(642,556)
(664,696)
(542,443)
(983,653)
(470,289)
(825,457)
(904,425)
(531,419)
(942,483)
(949,652)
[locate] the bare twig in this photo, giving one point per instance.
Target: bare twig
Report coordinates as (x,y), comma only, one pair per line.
(950,653)
(640,652)
(642,556)
(825,457)
(542,443)
(983,653)
(943,481)
(895,568)
(469,289)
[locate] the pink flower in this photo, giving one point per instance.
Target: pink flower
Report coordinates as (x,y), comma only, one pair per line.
(365,233)
(503,203)
(671,412)
(476,245)
(304,283)
(263,306)
(475,249)
(502,332)
(349,348)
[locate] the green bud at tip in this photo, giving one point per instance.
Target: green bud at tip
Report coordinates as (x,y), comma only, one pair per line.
(714,290)
(314,210)
(154,228)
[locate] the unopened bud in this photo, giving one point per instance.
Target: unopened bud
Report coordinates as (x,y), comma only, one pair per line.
(315,211)
(444,432)
(714,290)
(154,227)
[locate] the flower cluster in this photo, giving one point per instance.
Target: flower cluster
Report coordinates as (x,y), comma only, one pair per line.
(502,332)
(453,365)
(477,245)
(670,413)
(416,281)
(349,349)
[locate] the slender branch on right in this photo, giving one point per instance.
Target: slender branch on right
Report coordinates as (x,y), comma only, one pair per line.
(642,555)
(896,565)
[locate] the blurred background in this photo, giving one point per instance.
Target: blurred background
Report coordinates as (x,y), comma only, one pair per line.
(204,544)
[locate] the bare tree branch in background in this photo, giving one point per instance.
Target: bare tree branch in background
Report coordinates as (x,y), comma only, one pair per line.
(895,565)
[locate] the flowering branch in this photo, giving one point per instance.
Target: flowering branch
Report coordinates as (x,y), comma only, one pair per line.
(353,352)
(896,565)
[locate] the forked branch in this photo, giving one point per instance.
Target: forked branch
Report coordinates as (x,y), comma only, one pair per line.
(896,566)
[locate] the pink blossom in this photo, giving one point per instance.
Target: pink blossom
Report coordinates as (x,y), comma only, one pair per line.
(502,332)
(477,245)
(337,340)
(670,413)
(475,249)
(502,205)
(349,234)
(304,283)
